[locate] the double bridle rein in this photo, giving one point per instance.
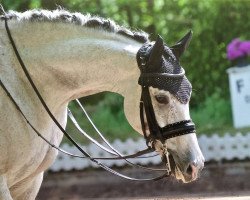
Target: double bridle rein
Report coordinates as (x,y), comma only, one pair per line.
(156,132)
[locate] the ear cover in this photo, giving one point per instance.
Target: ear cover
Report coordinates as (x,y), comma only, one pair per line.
(153,58)
(157,51)
(179,48)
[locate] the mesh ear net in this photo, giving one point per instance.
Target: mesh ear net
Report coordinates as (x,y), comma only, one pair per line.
(180,87)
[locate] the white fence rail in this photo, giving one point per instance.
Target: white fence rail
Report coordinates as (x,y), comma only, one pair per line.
(214,148)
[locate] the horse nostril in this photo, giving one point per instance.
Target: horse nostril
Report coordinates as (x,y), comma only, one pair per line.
(193,170)
(189,170)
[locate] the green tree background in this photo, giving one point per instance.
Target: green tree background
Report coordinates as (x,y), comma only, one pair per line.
(214,23)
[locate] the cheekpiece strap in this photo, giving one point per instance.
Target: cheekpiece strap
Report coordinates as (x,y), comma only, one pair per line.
(146,105)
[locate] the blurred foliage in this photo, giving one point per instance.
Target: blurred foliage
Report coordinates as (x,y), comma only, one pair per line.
(214,23)
(213,114)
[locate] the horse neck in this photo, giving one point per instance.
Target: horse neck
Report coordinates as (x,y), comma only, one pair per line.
(67,61)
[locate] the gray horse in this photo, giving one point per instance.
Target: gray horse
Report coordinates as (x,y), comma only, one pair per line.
(70,55)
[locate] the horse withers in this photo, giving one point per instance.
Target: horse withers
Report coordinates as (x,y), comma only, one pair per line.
(70,55)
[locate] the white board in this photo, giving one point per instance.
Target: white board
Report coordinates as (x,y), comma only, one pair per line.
(239,79)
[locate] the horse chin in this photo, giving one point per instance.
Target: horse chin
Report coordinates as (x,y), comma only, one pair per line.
(181,176)
(177,173)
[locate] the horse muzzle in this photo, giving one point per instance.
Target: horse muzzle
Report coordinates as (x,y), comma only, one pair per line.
(187,171)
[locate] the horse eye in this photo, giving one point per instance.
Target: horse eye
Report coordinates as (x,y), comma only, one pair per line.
(162,99)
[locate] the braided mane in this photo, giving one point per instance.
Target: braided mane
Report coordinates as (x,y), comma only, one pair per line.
(61,15)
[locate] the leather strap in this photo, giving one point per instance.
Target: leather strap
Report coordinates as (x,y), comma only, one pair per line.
(136,155)
(177,129)
(157,132)
(114,152)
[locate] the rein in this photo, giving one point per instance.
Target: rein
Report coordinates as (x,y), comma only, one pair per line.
(84,153)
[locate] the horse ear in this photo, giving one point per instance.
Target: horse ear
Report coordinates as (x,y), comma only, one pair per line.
(179,48)
(157,50)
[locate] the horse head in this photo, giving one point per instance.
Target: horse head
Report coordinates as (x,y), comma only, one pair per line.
(169,93)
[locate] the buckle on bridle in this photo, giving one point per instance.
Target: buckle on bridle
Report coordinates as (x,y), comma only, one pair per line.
(167,161)
(162,149)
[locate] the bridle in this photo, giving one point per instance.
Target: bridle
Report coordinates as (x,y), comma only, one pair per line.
(157,133)
(146,104)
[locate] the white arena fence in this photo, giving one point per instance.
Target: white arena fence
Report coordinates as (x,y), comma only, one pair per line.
(214,148)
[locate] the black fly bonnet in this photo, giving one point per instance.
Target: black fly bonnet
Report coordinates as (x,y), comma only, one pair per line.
(160,68)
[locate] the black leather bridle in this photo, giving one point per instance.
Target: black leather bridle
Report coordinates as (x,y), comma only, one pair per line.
(156,132)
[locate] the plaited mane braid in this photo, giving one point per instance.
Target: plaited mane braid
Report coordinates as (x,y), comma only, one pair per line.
(61,15)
